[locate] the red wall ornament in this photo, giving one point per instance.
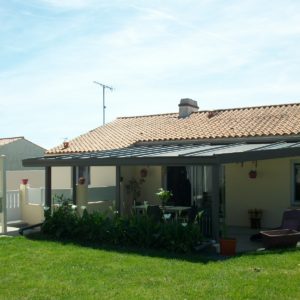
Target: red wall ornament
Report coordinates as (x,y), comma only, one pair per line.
(252,174)
(143,173)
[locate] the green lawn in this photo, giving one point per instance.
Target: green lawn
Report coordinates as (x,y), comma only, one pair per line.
(37,269)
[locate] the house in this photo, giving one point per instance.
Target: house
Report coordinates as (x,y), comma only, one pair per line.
(229,161)
(15,149)
(12,151)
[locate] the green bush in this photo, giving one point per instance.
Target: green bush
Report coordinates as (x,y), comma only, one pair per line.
(136,231)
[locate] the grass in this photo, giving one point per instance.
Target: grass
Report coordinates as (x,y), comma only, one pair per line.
(39,269)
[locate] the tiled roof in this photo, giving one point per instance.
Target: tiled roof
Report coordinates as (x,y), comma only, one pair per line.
(263,121)
(4,141)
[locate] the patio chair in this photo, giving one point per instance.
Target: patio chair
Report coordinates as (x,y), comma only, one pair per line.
(291,219)
(288,233)
(155,213)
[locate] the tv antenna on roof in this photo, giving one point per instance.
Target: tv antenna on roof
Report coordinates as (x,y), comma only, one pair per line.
(103,97)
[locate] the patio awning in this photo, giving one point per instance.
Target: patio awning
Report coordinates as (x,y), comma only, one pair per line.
(173,154)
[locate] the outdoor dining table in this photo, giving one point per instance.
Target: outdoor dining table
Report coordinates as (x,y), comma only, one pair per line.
(177,210)
(142,208)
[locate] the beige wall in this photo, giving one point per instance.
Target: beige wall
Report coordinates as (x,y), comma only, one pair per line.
(271,191)
(61,177)
(36,178)
(103,176)
(100,176)
(30,213)
(153,181)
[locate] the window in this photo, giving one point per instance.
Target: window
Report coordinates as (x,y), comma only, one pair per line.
(296,183)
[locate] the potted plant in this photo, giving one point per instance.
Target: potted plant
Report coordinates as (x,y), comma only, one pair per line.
(252,174)
(255,216)
(227,244)
(164,196)
(81,180)
(24,181)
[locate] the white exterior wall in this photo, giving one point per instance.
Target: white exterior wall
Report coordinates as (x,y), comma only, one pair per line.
(16,151)
(271,191)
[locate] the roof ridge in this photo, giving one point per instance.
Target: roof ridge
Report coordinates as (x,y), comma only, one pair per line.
(13,137)
(208,110)
(257,106)
(144,116)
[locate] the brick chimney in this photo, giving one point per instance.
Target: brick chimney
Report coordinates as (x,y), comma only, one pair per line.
(187,106)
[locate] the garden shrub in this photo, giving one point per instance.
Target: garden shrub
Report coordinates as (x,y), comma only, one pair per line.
(136,231)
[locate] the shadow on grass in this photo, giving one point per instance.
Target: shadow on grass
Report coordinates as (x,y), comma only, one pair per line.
(202,257)
(195,257)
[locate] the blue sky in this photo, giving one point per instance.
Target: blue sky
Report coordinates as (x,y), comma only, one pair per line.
(221,53)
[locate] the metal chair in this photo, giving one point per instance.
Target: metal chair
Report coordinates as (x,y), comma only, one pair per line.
(155,213)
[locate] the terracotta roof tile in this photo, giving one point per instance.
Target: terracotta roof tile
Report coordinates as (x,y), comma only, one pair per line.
(275,120)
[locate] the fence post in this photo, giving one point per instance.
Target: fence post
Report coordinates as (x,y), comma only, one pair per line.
(23,199)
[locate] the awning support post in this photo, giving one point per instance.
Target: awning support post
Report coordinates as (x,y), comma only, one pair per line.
(74,189)
(48,187)
(118,190)
(215,202)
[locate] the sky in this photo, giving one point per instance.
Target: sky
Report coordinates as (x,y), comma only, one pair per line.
(223,54)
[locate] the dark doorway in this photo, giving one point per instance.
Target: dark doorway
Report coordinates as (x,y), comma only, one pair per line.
(178,183)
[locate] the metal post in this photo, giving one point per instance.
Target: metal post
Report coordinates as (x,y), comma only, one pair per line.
(118,192)
(103,97)
(215,202)
(74,188)
(48,184)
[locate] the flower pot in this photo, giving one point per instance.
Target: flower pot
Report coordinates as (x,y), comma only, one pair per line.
(143,173)
(228,246)
(81,180)
(252,174)
(25,181)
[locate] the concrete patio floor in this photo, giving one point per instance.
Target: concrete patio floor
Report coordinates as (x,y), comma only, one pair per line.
(243,234)
(11,231)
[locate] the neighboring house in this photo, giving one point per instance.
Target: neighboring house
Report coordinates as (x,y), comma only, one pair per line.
(12,151)
(224,161)
(15,150)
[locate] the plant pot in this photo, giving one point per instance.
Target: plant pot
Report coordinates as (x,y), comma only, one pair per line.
(228,246)
(81,180)
(143,173)
(255,223)
(25,181)
(252,174)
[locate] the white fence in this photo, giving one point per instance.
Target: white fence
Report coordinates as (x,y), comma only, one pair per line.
(35,197)
(13,206)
